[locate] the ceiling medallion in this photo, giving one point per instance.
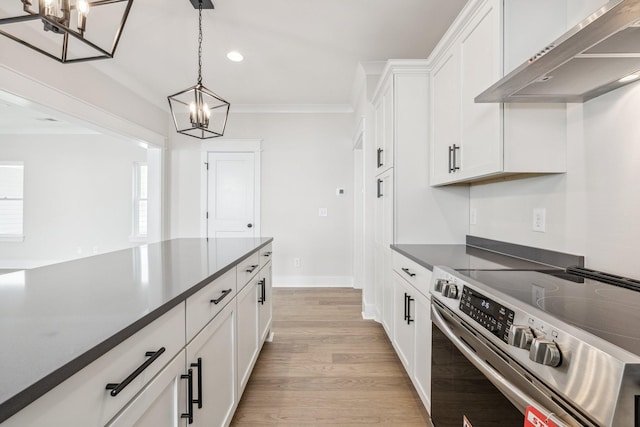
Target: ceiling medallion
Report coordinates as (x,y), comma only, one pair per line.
(66,30)
(197,111)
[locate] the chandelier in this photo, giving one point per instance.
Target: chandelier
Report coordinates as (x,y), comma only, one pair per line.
(197,111)
(66,30)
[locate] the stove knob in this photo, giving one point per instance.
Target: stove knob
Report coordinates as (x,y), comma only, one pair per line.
(520,336)
(450,290)
(439,284)
(545,352)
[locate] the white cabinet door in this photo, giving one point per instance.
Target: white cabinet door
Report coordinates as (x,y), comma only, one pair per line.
(212,357)
(389,128)
(265,308)
(404,322)
(480,60)
(422,356)
(247,330)
(162,403)
(445,116)
(383,236)
(384,126)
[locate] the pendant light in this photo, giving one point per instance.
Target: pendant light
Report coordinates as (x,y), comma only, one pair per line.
(66,30)
(197,111)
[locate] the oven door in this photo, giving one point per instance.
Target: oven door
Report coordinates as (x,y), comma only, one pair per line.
(474,385)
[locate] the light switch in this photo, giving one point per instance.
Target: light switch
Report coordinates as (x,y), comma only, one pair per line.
(322,212)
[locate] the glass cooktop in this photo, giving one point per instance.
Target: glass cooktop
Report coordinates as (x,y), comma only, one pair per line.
(607,311)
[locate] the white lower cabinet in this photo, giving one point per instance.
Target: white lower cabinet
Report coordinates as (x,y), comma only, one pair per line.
(247,303)
(404,322)
(162,403)
(412,324)
(211,356)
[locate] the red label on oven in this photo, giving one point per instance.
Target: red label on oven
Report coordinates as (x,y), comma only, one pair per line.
(534,418)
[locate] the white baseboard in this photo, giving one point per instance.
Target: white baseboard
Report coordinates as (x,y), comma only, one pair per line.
(313,281)
(369,312)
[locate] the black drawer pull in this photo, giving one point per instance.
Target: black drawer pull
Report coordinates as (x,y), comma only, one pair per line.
(189,377)
(406,270)
(267,254)
(250,269)
(225,292)
(116,388)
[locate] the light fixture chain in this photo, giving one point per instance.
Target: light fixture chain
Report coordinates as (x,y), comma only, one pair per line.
(200,43)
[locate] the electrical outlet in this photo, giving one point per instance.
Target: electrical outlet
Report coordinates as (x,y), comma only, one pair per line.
(539,220)
(322,211)
(296,262)
(473,216)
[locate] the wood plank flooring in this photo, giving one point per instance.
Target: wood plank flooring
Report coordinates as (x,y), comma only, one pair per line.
(327,366)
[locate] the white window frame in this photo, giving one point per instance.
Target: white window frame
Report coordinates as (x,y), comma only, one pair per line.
(136,236)
(15,237)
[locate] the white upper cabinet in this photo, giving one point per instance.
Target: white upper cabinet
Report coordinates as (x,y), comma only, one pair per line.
(384,113)
(475,141)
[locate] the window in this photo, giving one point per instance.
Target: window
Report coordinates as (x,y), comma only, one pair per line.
(11,200)
(139,200)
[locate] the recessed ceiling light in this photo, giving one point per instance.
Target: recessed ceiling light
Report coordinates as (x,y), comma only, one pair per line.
(235,56)
(629,78)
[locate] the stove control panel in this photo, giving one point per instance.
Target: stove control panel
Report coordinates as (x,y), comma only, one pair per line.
(493,316)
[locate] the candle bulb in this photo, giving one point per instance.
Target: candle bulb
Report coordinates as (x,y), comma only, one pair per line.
(82,6)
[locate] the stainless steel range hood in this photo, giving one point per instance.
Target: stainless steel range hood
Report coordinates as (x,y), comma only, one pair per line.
(585,62)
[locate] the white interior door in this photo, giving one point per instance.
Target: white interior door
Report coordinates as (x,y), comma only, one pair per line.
(231,195)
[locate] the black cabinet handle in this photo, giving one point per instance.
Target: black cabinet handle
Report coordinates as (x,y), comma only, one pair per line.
(406,270)
(405,305)
(267,254)
(379,160)
(453,150)
(450,151)
(379,188)
(250,269)
(263,294)
(409,299)
(225,292)
(116,388)
(198,365)
(189,377)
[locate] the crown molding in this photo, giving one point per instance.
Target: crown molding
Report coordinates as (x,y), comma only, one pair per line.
(291,108)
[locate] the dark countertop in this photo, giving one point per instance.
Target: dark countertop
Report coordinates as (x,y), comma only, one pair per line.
(57,319)
(467,257)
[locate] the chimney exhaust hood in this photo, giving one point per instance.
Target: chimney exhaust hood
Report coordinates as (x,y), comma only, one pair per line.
(585,62)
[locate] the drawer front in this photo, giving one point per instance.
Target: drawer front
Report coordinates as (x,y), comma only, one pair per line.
(209,301)
(83,400)
(247,269)
(265,255)
(412,272)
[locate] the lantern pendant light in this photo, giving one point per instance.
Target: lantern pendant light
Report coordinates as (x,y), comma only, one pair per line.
(59,28)
(197,111)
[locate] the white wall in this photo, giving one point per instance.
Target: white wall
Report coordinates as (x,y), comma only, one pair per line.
(593,209)
(305,157)
(77,196)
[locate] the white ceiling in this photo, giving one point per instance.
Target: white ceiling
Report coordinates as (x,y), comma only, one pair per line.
(296,51)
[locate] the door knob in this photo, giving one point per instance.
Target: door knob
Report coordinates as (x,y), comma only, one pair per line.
(249,225)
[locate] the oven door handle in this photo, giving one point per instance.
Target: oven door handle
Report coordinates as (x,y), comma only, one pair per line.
(515,395)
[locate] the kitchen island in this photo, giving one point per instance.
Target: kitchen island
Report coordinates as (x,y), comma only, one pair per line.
(57,320)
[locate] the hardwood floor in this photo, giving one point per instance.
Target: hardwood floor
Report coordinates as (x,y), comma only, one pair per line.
(327,366)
